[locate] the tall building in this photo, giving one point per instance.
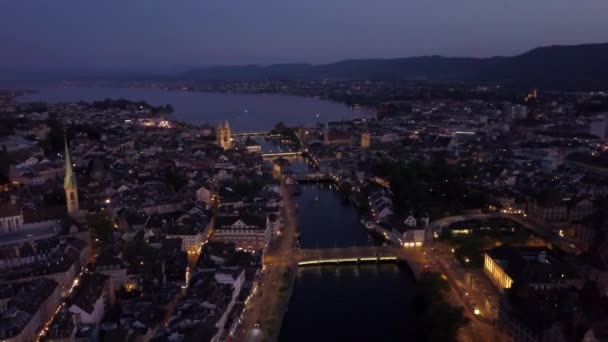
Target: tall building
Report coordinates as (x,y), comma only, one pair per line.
(224,135)
(365,140)
(70,186)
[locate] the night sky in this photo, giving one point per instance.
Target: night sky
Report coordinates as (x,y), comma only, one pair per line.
(155,33)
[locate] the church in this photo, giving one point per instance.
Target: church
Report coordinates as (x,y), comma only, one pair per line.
(16,217)
(224,135)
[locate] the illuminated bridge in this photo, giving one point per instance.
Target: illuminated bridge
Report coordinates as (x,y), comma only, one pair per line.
(282,154)
(250,134)
(313,177)
(413,256)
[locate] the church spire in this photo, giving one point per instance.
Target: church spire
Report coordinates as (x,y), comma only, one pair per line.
(70,180)
(69,185)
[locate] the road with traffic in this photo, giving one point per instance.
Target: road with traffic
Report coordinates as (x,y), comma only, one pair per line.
(263,315)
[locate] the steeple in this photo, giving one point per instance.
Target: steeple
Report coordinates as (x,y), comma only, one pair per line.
(69,180)
(70,186)
(224,135)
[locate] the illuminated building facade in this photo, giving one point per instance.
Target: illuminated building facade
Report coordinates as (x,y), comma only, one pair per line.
(365,140)
(224,135)
(536,266)
(70,186)
(494,270)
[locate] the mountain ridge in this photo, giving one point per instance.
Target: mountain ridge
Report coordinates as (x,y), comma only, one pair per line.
(572,67)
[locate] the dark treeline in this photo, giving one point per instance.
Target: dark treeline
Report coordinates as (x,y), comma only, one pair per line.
(429,185)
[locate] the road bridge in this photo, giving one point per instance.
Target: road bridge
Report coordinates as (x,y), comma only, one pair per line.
(282,154)
(415,257)
(542,231)
(313,177)
(252,134)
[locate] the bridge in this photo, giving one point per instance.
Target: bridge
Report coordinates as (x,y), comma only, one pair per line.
(282,154)
(413,256)
(313,177)
(543,231)
(252,134)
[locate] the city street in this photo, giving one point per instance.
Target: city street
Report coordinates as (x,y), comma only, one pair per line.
(266,305)
(480,326)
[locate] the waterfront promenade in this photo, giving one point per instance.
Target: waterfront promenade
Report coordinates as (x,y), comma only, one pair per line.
(264,313)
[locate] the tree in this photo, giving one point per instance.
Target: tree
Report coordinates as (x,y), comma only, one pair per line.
(439,321)
(136,248)
(288,133)
(248,188)
(55,140)
(175,178)
(345,190)
(422,185)
(100,226)
(5,162)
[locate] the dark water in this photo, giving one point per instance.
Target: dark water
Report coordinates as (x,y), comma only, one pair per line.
(244,112)
(326,221)
(370,302)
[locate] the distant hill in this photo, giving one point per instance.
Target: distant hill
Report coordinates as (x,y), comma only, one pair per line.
(577,67)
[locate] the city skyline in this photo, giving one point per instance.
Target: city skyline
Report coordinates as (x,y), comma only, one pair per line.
(155,34)
(278,170)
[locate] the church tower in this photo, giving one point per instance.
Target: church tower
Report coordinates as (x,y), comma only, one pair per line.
(365,139)
(70,186)
(224,135)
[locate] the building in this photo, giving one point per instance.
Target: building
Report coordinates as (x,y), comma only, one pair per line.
(233,276)
(25,307)
(15,143)
(536,266)
(113,267)
(408,233)
(365,140)
(249,232)
(599,127)
(562,314)
(252,146)
(89,301)
(70,186)
(205,193)
(11,216)
(335,137)
(224,135)
(57,259)
(192,237)
(554,210)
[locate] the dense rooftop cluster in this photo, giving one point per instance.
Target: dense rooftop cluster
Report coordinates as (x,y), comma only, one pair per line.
(171,220)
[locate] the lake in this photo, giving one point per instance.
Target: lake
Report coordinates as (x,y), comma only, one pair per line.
(243,111)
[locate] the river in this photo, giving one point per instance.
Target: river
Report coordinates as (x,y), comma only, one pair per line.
(350,303)
(368,302)
(326,221)
(243,111)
